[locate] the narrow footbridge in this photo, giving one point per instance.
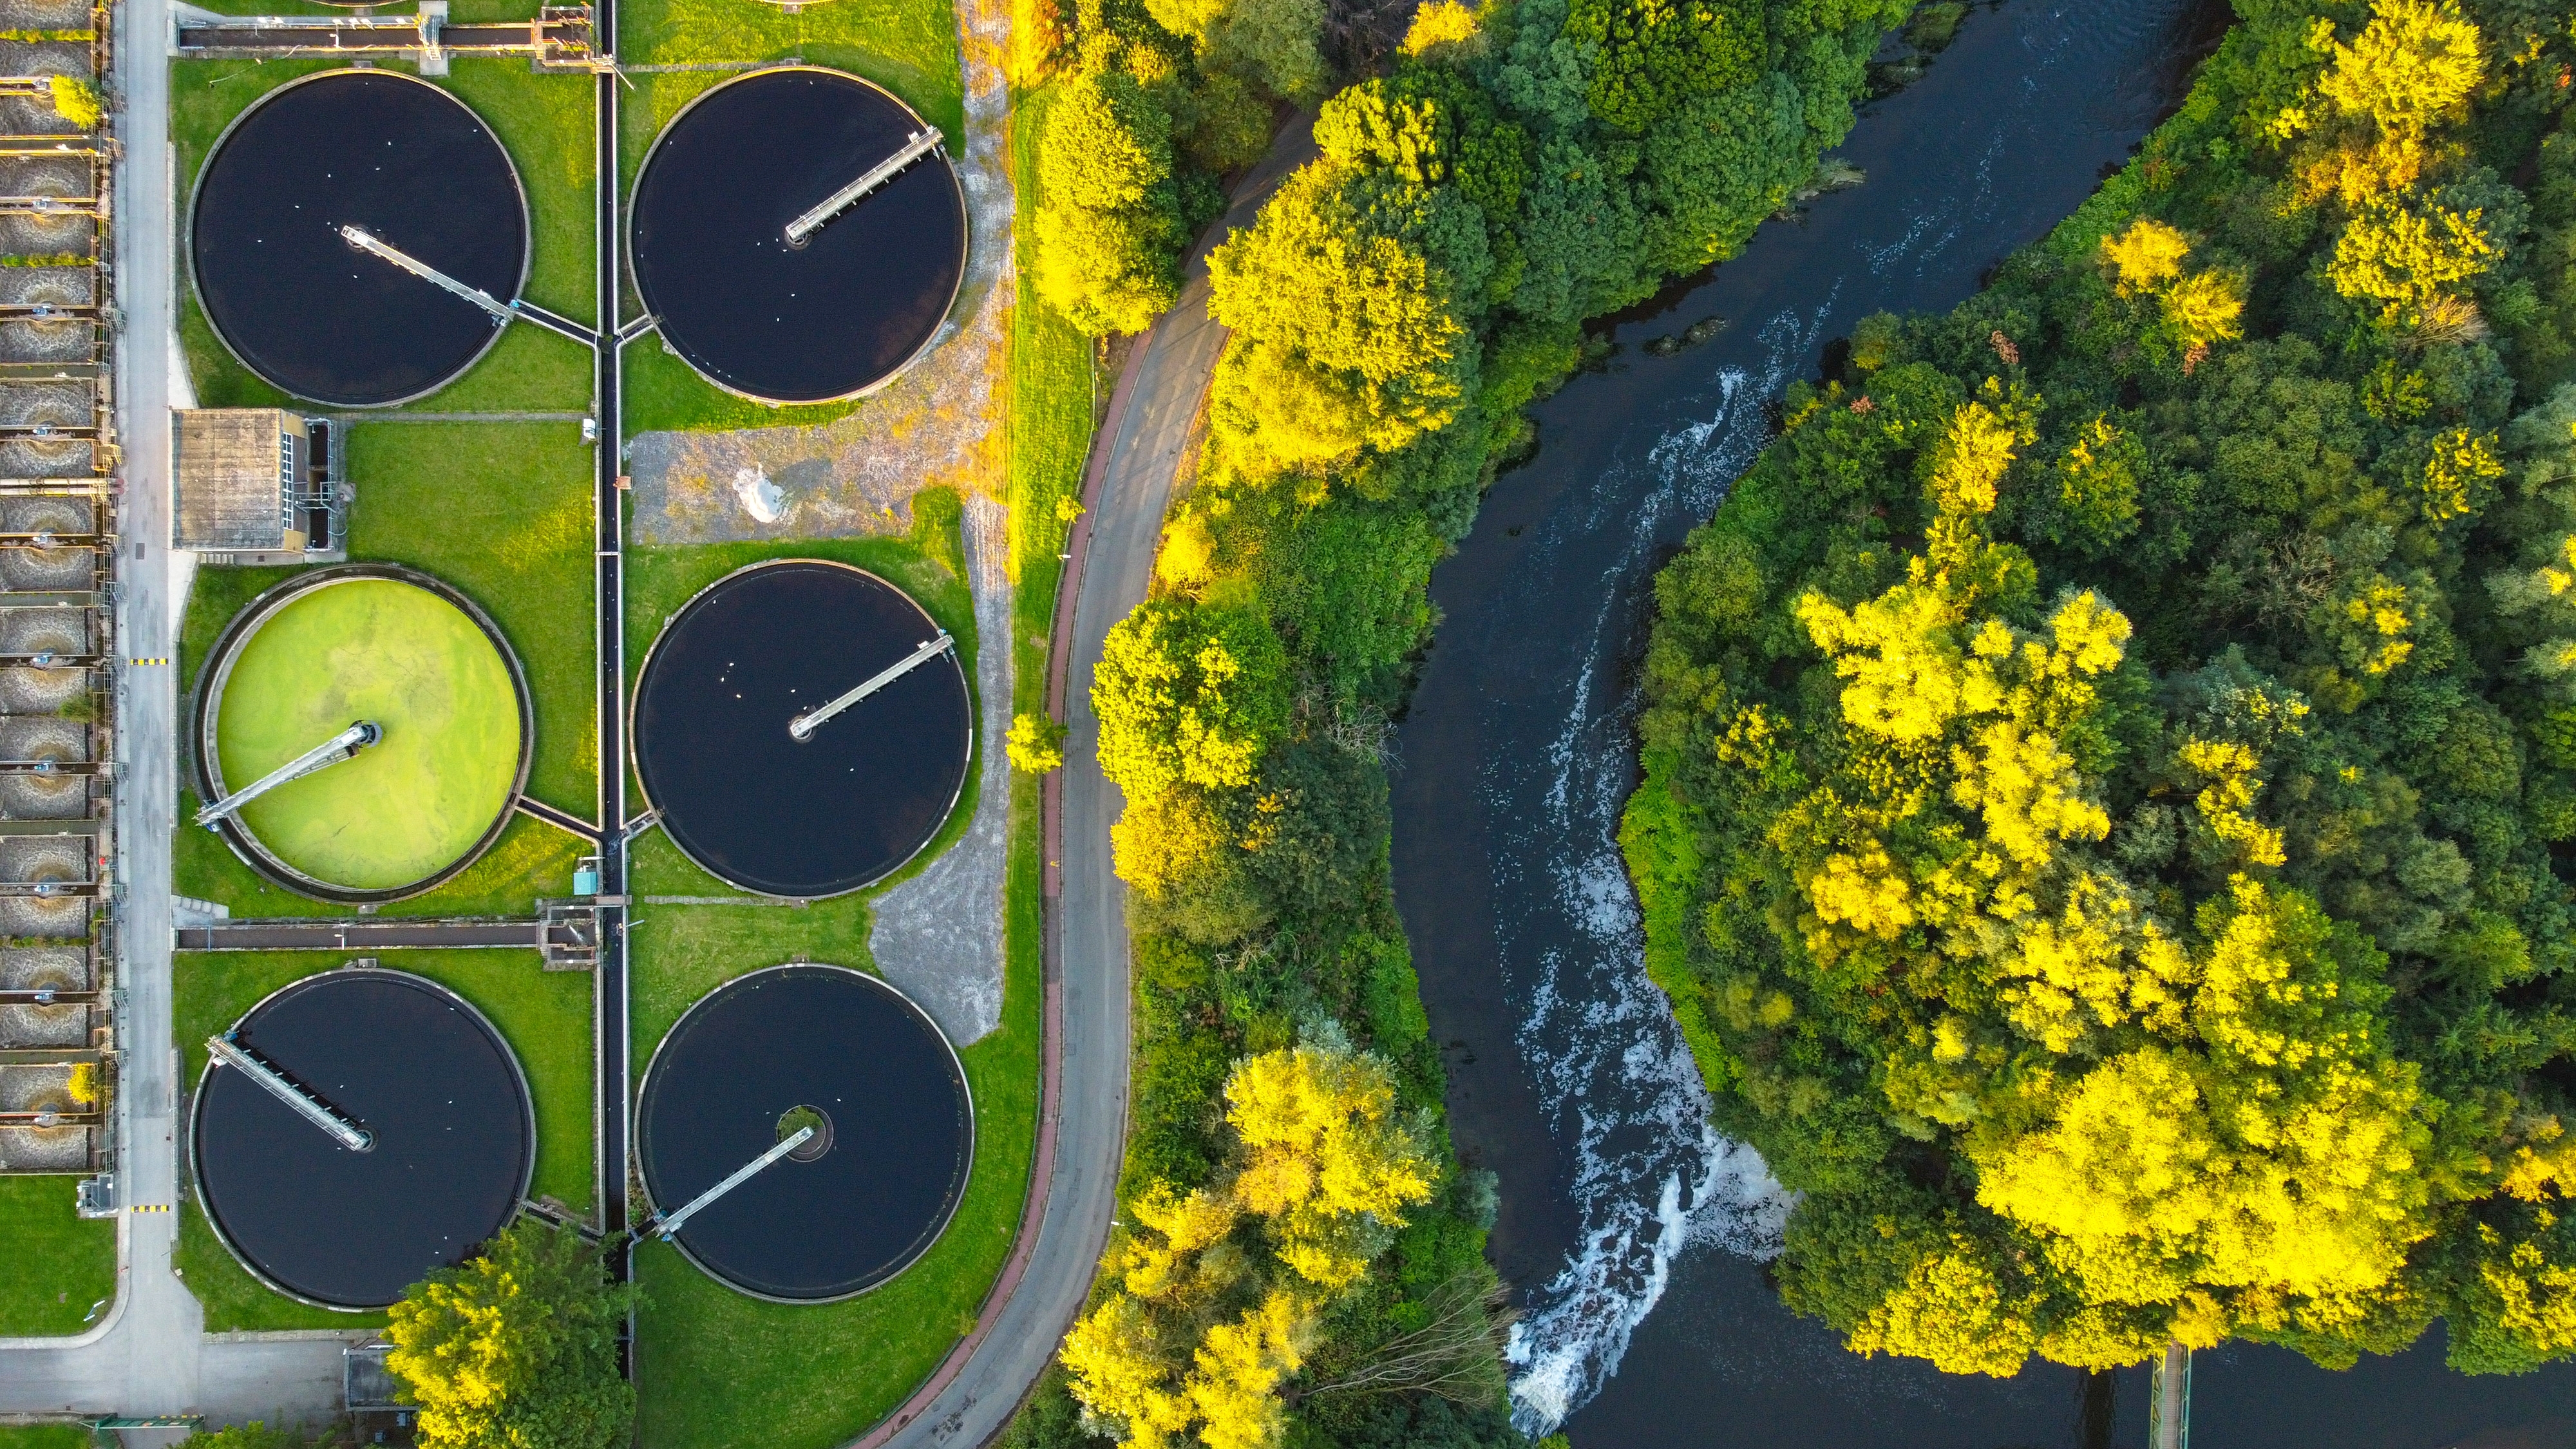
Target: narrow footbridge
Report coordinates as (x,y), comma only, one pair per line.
(571,936)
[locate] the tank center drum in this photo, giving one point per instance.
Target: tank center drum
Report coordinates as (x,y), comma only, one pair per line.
(718,752)
(396,158)
(449,1129)
(840,309)
(793,1047)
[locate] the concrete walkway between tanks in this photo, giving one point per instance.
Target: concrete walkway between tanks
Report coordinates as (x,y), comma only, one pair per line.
(1082,1126)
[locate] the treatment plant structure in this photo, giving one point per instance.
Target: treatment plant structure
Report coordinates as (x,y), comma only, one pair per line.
(358,733)
(61,740)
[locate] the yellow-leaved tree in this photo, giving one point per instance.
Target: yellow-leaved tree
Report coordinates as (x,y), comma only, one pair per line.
(518,1347)
(2195,310)
(2412,69)
(2185,1128)
(1213,1297)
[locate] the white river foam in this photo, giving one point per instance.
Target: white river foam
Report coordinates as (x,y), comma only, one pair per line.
(1623,1097)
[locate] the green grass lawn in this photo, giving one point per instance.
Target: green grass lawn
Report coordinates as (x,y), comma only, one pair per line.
(545,1016)
(414,665)
(45,1436)
(907,46)
(544,122)
(531,859)
(1053,393)
(709,1360)
(59,1264)
(503,512)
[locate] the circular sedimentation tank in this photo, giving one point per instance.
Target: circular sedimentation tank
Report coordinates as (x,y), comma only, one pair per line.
(396,157)
(807,1045)
(743,796)
(391,647)
(834,317)
(451,1130)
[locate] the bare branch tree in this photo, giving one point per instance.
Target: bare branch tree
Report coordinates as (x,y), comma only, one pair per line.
(1359,34)
(1457,1355)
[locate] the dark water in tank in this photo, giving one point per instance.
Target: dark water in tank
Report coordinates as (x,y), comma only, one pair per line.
(1633,1233)
(709,243)
(396,157)
(761,808)
(901,1131)
(405,1061)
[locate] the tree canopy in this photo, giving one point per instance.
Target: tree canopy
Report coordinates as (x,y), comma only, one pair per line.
(2108,780)
(517,1349)
(1516,166)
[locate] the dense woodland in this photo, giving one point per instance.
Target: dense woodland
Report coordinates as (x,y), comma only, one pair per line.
(2111,765)
(1301,1260)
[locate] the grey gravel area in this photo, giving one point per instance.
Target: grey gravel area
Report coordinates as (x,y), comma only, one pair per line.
(44,14)
(44,1149)
(68,404)
(29,631)
(61,286)
(937,425)
(40,691)
(939,935)
(35,1088)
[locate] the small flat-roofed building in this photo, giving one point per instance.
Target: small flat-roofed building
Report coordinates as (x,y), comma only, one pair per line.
(257,486)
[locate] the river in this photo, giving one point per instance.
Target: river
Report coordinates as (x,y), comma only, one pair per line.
(1633,1234)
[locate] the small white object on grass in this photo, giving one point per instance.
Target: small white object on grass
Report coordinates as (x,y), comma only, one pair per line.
(760,497)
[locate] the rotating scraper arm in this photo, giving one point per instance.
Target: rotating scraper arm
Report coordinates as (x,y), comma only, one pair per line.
(921,143)
(307,1106)
(342,746)
(375,246)
(804,725)
(665,1228)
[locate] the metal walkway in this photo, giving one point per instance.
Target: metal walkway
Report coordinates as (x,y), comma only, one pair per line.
(374,934)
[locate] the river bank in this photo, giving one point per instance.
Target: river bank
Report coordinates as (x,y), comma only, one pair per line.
(1566,1074)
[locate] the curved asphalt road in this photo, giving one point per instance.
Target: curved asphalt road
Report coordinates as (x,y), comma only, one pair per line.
(151,1355)
(1133,466)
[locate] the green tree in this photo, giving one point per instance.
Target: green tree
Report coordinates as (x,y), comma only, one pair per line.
(1187,693)
(517,1349)
(1271,43)
(1653,54)
(1109,230)
(1349,301)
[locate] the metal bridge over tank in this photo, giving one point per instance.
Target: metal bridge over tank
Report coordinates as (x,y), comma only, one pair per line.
(276,1083)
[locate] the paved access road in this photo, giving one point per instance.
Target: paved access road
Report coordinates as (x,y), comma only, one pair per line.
(152,1356)
(1133,468)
